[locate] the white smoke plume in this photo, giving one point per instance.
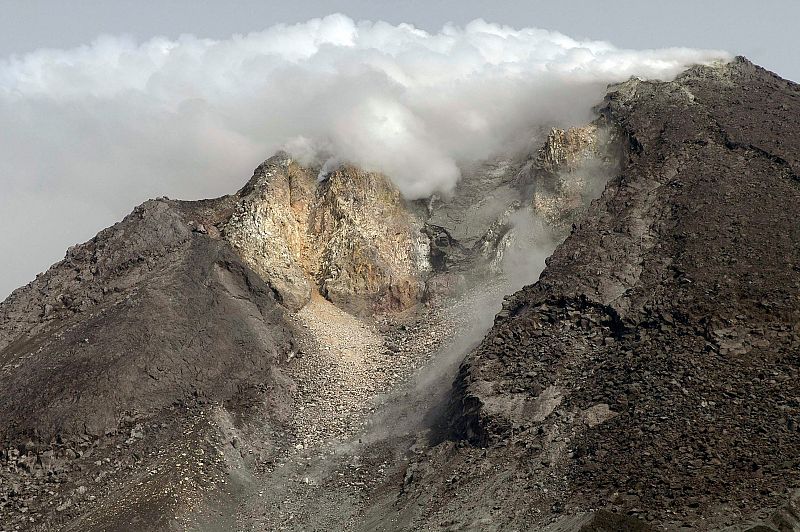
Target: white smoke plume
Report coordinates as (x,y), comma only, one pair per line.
(87,133)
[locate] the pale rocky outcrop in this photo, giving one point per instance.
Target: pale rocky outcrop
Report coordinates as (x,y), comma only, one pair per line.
(571,169)
(371,252)
(268,227)
(349,236)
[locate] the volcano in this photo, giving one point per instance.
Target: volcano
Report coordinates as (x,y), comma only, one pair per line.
(600,332)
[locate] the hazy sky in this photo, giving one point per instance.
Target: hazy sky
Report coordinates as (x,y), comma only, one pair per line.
(87,133)
(765,31)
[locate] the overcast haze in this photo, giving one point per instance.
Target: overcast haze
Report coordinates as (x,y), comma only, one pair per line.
(89,132)
(766,32)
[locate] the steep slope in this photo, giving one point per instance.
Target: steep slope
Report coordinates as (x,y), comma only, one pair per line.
(133,332)
(125,317)
(654,369)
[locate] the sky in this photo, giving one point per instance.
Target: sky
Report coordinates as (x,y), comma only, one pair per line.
(105,104)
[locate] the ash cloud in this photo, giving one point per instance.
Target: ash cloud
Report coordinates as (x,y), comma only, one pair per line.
(90,132)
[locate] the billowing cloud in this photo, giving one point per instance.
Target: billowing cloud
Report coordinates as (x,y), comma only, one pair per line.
(87,133)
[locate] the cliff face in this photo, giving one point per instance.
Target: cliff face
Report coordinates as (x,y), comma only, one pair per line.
(349,237)
(570,170)
(269,228)
(653,369)
(372,254)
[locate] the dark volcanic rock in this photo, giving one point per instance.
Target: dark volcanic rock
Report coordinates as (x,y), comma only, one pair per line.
(112,362)
(599,521)
(120,323)
(655,367)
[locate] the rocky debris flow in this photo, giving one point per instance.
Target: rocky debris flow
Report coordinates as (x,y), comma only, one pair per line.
(348,236)
(353,440)
(653,370)
(341,365)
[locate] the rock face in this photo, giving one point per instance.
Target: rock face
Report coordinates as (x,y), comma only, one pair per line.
(269,228)
(654,367)
(349,236)
(517,208)
(372,253)
(570,170)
